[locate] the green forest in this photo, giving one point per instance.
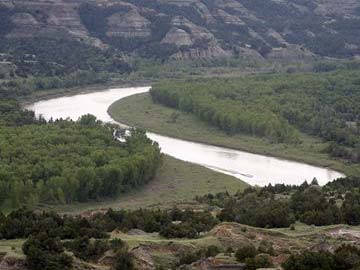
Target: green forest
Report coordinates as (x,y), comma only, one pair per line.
(276,107)
(64,161)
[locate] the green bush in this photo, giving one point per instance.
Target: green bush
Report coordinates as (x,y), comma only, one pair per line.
(118,244)
(266,247)
(246,251)
(259,261)
(46,253)
(189,257)
(212,251)
(309,261)
(123,261)
(86,249)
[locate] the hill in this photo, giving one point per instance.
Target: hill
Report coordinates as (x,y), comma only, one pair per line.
(104,35)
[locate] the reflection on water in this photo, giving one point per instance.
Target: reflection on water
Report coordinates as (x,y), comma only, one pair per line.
(252,168)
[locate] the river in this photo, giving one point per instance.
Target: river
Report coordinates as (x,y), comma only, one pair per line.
(252,168)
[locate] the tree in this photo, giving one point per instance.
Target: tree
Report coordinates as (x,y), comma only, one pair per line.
(347,257)
(45,252)
(246,251)
(123,261)
(310,261)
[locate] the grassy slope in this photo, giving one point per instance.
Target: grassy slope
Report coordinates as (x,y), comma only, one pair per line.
(176,182)
(13,248)
(141,112)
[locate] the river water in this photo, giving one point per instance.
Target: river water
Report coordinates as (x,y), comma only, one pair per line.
(252,168)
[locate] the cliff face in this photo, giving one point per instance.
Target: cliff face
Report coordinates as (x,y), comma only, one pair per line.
(296,30)
(128,25)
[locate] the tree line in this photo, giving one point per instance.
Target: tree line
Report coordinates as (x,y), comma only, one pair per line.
(280,206)
(276,107)
(23,87)
(22,223)
(64,161)
(49,235)
(228,114)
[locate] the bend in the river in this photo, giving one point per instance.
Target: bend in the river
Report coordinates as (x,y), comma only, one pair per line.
(253,168)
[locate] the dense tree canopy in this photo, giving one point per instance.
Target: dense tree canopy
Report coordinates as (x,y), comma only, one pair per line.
(276,106)
(65,161)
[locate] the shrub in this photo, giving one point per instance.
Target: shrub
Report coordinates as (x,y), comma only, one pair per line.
(189,257)
(347,257)
(259,261)
(118,244)
(266,247)
(263,261)
(212,251)
(179,231)
(310,261)
(123,261)
(85,249)
(45,253)
(247,251)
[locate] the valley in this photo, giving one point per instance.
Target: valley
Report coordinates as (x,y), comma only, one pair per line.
(241,163)
(179,134)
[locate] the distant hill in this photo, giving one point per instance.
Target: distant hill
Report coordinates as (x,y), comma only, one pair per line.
(285,30)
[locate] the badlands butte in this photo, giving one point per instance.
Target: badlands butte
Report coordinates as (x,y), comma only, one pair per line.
(294,30)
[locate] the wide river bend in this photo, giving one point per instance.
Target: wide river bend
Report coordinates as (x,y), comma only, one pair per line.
(252,168)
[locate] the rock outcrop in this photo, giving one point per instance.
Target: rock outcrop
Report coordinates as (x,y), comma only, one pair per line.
(211,51)
(280,30)
(178,37)
(142,258)
(129,25)
(25,25)
(292,53)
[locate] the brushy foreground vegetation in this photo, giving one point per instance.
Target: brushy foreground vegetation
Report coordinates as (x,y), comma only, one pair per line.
(280,205)
(65,161)
(276,107)
(49,235)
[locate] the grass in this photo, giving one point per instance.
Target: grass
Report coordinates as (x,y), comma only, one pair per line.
(164,251)
(177,182)
(12,248)
(139,111)
(302,229)
(155,238)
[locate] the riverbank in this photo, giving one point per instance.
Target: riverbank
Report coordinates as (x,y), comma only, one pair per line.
(84,89)
(176,183)
(139,111)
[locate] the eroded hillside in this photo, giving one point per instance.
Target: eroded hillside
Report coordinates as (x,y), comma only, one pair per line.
(291,30)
